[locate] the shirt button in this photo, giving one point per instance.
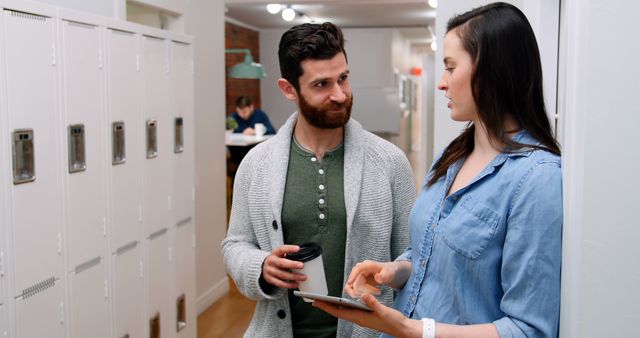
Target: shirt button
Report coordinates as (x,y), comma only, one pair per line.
(321,171)
(321,187)
(275,225)
(281,314)
(313,159)
(424,263)
(413,299)
(321,201)
(321,216)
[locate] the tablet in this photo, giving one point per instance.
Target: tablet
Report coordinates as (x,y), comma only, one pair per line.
(333,300)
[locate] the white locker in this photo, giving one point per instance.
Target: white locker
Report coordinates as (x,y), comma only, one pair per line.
(128,291)
(40,311)
(160,312)
(84,160)
(88,307)
(35,190)
(3,327)
(126,137)
(158,136)
(184,286)
(183,163)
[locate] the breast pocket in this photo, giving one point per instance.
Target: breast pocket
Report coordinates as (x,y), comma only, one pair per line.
(470,227)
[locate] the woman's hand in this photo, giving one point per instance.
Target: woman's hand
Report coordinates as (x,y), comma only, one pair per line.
(365,277)
(383,318)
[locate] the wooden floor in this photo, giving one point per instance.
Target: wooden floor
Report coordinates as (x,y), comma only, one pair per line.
(229,317)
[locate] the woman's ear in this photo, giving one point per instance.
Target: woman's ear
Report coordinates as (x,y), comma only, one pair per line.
(287,90)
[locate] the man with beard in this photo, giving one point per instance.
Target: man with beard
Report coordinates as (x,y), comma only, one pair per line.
(321,179)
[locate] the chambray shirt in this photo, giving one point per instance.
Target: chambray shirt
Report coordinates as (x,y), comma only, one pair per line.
(490,252)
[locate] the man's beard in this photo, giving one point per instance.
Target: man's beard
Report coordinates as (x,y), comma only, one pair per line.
(329,116)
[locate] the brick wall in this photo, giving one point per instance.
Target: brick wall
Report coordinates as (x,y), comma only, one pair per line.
(240,37)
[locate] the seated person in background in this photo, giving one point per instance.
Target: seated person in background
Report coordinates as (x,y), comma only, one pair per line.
(247,117)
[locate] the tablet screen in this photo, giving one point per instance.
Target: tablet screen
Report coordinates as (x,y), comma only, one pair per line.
(334,300)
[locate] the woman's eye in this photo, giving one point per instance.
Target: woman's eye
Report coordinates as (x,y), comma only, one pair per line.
(449,69)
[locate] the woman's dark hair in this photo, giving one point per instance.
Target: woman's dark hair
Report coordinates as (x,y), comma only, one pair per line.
(506,81)
(308,41)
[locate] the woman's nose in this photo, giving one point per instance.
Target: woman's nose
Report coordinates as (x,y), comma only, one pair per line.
(442,84)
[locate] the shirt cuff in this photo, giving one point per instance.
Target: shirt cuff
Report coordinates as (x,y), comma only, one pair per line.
(508,329)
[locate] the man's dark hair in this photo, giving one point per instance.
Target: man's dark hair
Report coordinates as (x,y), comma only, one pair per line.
(308,41)
(243,101)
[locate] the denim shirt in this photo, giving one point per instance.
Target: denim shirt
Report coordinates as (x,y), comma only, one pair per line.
(490,252)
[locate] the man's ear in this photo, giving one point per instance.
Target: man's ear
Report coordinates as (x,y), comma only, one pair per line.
(287,90)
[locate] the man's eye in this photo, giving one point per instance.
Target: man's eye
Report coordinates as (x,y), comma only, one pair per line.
(321,84)
(344,77)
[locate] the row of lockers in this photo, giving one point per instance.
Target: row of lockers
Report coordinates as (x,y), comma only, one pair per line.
(97,203)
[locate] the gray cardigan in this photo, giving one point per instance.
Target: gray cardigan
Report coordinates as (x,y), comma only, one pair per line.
(378,194)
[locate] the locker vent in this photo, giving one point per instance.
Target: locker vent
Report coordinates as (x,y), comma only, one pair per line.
(157,234)
(37,288)
(87,265)
(183,222)
(121,250)
(29,16)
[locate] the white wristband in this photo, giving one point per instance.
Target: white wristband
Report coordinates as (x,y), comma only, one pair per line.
(428,328)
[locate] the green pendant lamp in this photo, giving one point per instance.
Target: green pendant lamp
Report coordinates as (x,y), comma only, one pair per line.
(247,69)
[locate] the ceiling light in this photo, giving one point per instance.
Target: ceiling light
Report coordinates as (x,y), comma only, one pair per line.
(433,3)
(274,8)
(288,14)
(434,46)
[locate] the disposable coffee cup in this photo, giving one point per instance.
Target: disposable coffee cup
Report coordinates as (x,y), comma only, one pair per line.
(311,255)
(260,129)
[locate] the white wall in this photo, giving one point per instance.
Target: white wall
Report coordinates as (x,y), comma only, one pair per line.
(205,21)
(273,102)
(598,100)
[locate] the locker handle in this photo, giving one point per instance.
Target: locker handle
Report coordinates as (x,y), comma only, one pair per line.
(178,146)
(118,149)
(23,154)
(77,154)
(152,138)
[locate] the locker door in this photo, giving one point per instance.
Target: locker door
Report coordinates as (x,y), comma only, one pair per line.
(3,327)
(125,139)
(184,280)
(35,189)
(159,136)
(88,305)
(39,310)
(128,291)
(159,283)
(183,163)
(85,188)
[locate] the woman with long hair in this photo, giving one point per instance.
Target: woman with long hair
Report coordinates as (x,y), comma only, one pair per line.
(485,232)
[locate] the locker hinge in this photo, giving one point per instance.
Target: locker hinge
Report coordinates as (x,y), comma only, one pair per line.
(141,270)
(137,62)
(1,264)
(170,254)
(61,312)
(193,240)
(139,213)
(106,289)
(53,54)
(169,202)
(166,66)
(59,243)
(104,226)
(99,58)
